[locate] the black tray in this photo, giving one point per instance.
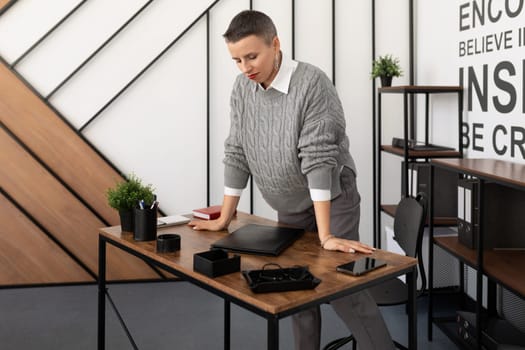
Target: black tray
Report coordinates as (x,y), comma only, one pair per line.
(280,280)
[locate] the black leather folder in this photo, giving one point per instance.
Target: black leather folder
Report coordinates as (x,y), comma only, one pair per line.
(259,239)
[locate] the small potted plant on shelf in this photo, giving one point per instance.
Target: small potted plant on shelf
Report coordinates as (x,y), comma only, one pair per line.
(386,67)
(126,195)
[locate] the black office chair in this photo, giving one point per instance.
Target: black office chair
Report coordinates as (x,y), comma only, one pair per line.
(409,223)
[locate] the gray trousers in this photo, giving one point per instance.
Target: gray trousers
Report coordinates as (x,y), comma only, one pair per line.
(358,311)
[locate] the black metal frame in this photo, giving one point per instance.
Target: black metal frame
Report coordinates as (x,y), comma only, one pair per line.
(208,185)
(375,200)
(251,178)
(272,319)
(333,42)
(293,29)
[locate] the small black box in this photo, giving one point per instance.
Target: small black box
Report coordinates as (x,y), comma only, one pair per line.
(216,262)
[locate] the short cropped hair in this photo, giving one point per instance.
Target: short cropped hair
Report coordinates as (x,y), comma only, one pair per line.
(248,23)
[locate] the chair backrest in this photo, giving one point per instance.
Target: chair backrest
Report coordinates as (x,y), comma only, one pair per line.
(409,225)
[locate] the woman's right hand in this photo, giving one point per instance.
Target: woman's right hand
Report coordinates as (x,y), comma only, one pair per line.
(207,225)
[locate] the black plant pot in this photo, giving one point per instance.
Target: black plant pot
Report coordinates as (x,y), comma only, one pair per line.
(386,81)
(126,220)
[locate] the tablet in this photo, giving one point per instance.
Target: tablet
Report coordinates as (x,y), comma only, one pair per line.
(361,266)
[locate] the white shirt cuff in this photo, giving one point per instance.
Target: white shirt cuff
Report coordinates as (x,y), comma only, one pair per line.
(235,192)
(320,195)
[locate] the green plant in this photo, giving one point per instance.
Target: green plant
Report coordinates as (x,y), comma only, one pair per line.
(126,194)
(386,66)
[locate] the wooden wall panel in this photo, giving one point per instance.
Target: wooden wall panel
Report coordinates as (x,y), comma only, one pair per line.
(28,256)
(59,146)
(56,209)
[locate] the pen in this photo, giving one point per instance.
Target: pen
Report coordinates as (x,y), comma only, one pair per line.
(154,204)
(141,204)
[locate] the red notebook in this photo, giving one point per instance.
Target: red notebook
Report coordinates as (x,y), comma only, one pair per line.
(208,213)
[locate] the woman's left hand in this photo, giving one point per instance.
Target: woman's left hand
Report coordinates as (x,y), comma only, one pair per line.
(347,246)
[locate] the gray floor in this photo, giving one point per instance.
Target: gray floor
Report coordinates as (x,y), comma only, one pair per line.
(173,315)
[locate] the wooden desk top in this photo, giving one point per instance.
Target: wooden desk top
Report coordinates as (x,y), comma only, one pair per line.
(305,251)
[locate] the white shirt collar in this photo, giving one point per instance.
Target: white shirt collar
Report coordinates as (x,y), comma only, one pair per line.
(281,82)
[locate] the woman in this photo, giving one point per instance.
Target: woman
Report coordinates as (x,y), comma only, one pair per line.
(288,132)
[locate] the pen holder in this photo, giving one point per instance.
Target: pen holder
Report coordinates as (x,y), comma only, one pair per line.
(145,227)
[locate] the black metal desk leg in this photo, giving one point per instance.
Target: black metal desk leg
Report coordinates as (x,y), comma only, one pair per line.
(273,333)
(412,309)
(227,322)
(101,335)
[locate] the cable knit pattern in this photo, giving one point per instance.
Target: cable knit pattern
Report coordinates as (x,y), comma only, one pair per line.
(287,142)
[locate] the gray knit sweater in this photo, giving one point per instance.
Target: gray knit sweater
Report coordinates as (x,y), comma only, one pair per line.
(289,143)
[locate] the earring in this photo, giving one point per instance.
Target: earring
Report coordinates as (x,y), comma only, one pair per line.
(276,62)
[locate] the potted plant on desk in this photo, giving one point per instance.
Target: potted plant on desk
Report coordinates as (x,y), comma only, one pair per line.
(386,67)
(126,195)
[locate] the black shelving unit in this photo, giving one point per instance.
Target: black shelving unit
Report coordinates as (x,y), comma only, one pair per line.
(503,267)
(405,152)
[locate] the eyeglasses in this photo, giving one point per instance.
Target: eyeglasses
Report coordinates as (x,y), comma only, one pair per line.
(278,273)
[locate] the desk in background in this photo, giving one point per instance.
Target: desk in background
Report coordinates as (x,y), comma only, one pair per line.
(234,289)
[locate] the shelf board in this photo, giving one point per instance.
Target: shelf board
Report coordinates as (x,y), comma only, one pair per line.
(506,267)
(414,89)
(390,209)
(420,154)
(452,245)
(504,172)
(503,266)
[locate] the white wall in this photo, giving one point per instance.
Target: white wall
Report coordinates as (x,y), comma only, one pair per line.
(439,57)
(157,127)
